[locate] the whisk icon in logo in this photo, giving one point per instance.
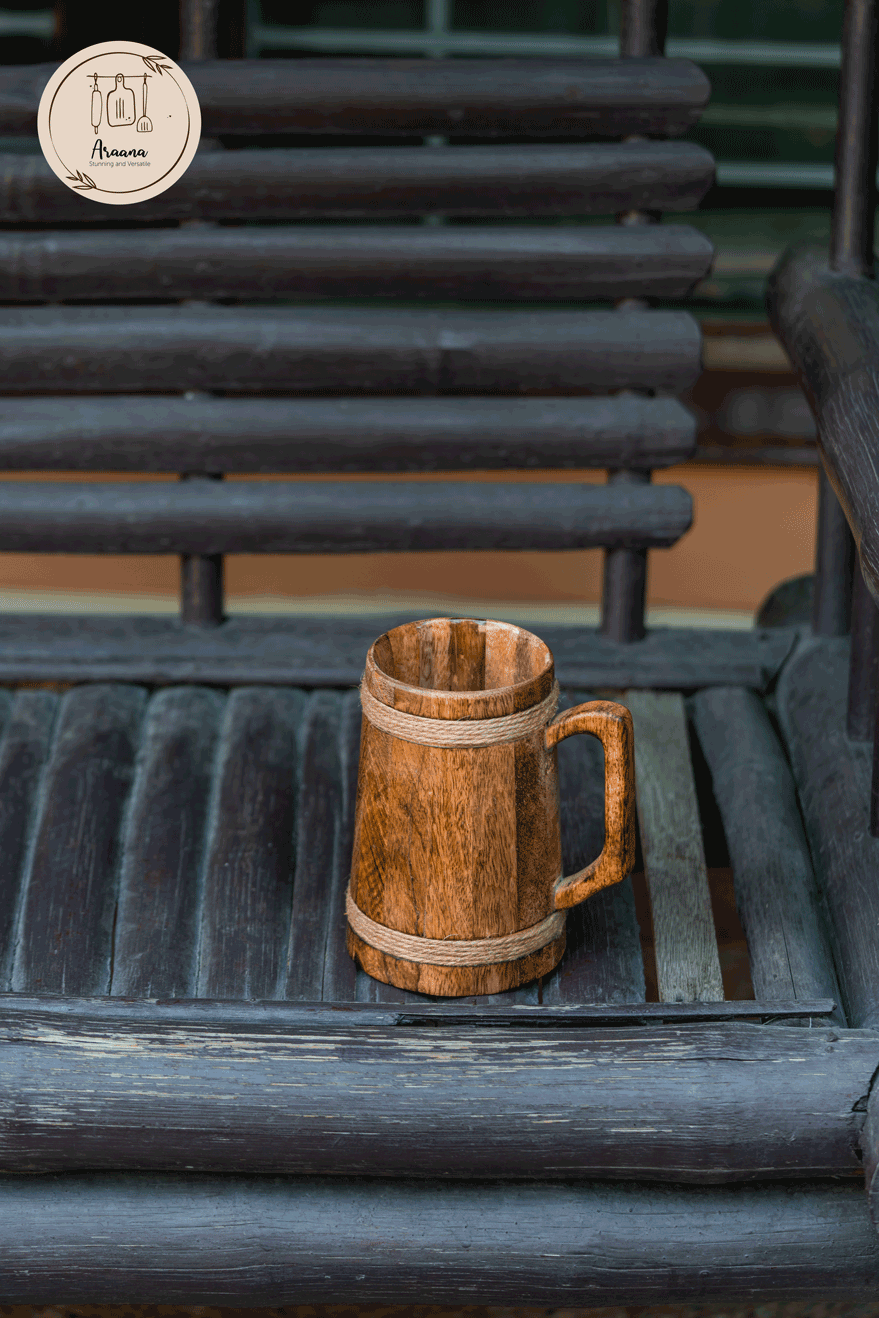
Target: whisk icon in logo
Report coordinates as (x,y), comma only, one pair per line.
(95,131)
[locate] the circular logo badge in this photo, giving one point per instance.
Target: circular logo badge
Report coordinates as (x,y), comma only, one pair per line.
(119,122)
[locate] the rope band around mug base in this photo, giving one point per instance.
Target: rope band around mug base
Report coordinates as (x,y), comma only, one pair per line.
(453,951)
(450,733)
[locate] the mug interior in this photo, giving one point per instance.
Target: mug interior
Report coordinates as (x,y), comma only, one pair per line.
(461,654)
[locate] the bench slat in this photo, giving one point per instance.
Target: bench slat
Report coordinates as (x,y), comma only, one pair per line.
(833,780)
(195,517)
(357,1092)
(329,651)
(264,1240)
(154,945)
(687,961)
(774,882)
(402,181)
(344,350)
(353,262)
(246,882)
(66,929)
(602,961)
(135,433)
(478,97)
(26,723)
(315,968)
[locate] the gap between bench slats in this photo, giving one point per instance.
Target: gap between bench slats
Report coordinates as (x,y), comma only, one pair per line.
(200,517)
(775,886)
(133,433)
(345,350)
(506,181)
(687,960)
(352,262)
(477,97)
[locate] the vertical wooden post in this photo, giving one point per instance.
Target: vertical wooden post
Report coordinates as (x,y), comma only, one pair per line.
(643,26)
(834,555)
(201,575)
(851,253)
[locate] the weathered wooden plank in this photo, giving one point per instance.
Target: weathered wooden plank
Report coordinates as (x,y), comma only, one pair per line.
(774,881)
(329,651)
(602,961)
(345,350)
(26,725)
(687,961)
(208,435)
(247,879)
(833,780)
(241,1241)
(340,973)
(315,969)
(478,97)
(207,517)
(723,1103)
(398,181)
(162,845)
(64,939)
(425,1014)
(454,262)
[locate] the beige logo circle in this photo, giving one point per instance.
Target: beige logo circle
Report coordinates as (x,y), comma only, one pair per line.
(119,122)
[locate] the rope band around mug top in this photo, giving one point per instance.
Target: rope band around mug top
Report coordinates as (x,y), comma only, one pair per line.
(453,951)
(452,733)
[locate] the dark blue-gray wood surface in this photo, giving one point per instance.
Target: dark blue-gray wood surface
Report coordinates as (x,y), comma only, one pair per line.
(255,1241)
(477,98)
(394,182)
(329,651)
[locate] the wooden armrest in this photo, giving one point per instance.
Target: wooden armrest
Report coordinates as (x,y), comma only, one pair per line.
(829,325)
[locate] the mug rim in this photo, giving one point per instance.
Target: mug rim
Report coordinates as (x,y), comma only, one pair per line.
(433,702)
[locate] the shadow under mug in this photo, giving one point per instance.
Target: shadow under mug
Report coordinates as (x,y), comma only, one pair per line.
(456,883)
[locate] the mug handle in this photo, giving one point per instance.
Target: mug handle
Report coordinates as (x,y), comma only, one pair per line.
(612,725)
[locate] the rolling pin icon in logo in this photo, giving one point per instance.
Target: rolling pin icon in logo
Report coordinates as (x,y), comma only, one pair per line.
(100,149)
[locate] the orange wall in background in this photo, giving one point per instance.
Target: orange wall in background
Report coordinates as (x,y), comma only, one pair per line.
(753,527)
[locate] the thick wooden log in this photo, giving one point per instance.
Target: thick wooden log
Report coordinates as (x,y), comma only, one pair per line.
(329,651)
(479,98)
(339,517)
(360,351)
(687,961)
(723,1103)
(774,882)
(829,324)
(162,846)
(833,779)
(65,936)
(133,433)
(587,179)
(348,262)
(245,889)
(260,1241)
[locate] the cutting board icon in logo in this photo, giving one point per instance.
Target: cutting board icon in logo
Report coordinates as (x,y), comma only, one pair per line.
(121,109)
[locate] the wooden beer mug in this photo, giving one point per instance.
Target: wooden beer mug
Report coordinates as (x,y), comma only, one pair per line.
(455,881)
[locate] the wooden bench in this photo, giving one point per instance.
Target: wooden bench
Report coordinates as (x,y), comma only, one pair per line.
(212,1103)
